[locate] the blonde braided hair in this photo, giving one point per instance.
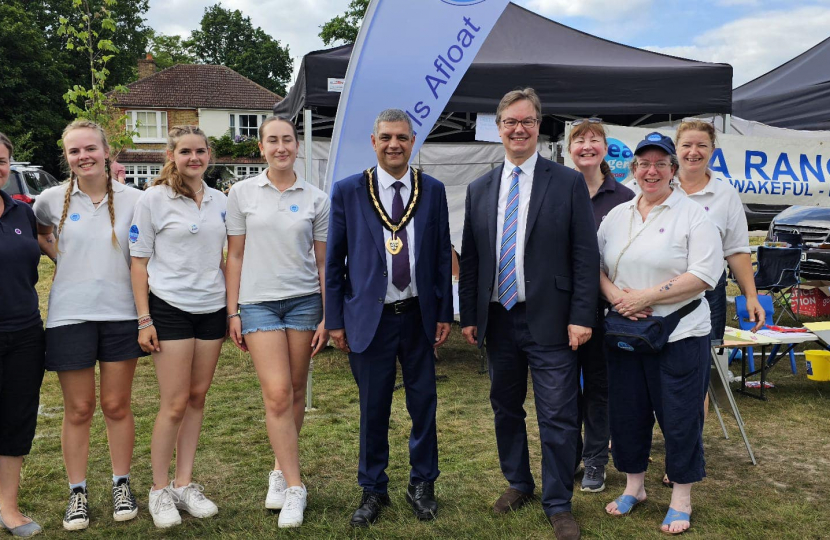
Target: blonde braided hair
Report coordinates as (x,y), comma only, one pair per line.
(88,124)
(169,175)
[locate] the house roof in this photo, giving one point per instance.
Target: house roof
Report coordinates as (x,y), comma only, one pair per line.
(195,86)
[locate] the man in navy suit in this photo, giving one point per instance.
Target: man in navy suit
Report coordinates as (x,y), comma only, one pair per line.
(529,286)
(388,296)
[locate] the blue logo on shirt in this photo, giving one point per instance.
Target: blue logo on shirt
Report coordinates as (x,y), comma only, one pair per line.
(223,216)
(133,233)
(295,208)
(75,217)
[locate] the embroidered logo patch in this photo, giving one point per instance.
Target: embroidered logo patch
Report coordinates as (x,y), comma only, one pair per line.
(654,137)
(707,208)
(295,208)
(75,217)
(133,233)
(18,231)
(662,230)
(624,346)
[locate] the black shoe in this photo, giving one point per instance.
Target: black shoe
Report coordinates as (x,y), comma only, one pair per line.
(422,498)
(370,505)
(77,511)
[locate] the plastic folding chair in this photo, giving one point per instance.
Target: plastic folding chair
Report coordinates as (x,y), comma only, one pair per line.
(778,272)
(745,324)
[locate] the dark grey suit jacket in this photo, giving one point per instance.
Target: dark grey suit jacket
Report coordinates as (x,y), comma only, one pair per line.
(561,258)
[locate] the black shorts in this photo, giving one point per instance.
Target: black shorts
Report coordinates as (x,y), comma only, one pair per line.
(78,346)
(172,323)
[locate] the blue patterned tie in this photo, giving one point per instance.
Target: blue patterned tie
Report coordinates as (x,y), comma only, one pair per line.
(508,290)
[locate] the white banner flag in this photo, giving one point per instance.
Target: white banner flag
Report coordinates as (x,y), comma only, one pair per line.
(764,171)
(409,55)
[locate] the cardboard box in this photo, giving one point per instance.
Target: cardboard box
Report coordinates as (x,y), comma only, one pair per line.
(811,300)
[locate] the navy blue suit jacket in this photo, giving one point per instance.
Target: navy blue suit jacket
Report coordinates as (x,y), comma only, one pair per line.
(356,276)
(561,257)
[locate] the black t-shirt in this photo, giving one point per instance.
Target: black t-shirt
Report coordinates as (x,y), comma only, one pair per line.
(610,194)
(19,258)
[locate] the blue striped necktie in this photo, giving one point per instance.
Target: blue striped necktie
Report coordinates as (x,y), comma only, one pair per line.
(508,289)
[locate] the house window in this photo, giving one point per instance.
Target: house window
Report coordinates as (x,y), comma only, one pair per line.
(245,171)
(142,174)
(245,125)
(150,125)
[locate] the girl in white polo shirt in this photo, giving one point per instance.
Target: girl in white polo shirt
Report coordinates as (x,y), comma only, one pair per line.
(176,241)
(84,225)
(277,226)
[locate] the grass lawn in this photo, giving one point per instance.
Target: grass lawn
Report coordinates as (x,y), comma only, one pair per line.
(784,496)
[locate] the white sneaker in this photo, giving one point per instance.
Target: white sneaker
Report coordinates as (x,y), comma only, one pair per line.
(193,501)
(292,511)
(276,491)
(163,508)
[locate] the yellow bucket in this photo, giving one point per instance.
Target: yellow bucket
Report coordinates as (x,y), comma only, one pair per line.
(818,365)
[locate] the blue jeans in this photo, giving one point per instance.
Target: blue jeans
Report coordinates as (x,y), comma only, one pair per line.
(302,313)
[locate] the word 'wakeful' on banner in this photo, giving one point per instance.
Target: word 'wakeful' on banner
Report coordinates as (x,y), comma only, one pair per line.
(409,55)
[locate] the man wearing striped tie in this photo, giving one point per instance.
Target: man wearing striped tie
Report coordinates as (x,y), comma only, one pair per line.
(529,286)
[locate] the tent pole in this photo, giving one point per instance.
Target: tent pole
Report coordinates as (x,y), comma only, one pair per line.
(309,170)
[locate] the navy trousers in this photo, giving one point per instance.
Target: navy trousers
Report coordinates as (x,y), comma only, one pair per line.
(717,308)
(592,447)
(670,385)
(511,351)
(402,337)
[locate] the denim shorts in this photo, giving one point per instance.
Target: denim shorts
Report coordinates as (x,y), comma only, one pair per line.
(302,313)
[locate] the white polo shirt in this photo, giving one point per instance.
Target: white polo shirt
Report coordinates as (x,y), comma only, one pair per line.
(723,206)
(184,243)
(677,237)
(280,229)
(92,280)
(525,186)
(387,196)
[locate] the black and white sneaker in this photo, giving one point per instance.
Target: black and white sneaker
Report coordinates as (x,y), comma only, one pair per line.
(77,511)
(124,507)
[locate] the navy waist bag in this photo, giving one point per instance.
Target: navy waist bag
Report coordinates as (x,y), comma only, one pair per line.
(645,336)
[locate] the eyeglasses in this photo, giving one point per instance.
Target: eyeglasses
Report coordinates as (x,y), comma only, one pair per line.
(527,122)
(592,120)
(659,165)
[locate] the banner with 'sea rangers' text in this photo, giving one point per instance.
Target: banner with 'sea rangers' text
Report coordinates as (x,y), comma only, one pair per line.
(409,55)
(764,171)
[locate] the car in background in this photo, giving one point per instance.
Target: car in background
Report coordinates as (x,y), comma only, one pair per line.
(759,216)
(812,224)
(26,182)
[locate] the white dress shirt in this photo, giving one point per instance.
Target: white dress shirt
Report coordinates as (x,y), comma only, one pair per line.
(387,194)
(525,186)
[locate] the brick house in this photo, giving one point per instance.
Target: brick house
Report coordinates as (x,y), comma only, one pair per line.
(215,98)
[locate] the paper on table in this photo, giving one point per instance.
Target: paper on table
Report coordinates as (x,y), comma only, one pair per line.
(746,335)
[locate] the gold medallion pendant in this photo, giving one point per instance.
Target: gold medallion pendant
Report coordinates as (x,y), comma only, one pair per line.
(394,245)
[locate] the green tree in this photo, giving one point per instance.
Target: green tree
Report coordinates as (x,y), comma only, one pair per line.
(90,39)
(344,28)
(31,85)
(169,51)
(228,38)
(130,36)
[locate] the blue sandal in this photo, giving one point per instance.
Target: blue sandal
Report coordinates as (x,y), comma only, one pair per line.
(675,515)
(625,504)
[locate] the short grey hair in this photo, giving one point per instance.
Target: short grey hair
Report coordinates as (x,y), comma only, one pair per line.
(675,164)
(392,115)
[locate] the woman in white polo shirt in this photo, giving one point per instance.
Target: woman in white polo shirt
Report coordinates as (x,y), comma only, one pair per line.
(176,242)
(659,252)
(84,225)
(277,225)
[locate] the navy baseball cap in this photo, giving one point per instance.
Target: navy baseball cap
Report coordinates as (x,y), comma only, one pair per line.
(656,140)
